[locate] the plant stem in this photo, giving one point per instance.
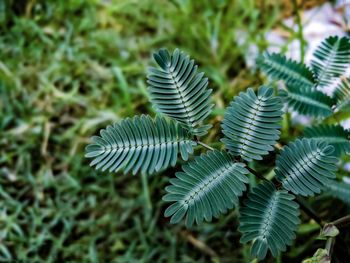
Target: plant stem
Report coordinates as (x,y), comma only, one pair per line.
(300,30)
(311,213)
(343,221)
(257,175)
(329,246)
(147,198)
(199,244)
(205,145)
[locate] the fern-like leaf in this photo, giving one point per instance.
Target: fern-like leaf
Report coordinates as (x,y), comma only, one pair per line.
(331,59)
(339,190)
(342,94)
(251,124)
(208,186)
(178,91)
(139,143)
(305,166)
(269,219)
(278,67)
(307,101)
(334,135)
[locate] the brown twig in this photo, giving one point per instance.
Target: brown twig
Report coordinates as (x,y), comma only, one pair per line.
(341,222)
(198,244)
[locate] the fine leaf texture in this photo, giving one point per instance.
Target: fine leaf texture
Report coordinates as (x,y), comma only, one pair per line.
(251,123)
(331,59)
(339,190)
(307,101)
(305,166)
(334,135)
(278,67)
(269,218)
(140,143)
(177,90)
(342,94)
(208,186)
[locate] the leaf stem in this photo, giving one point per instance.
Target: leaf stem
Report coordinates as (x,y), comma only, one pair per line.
(300,30)
(146,196)
(341,222)
(199,244)
(329,246)
(257,175)
(205,145)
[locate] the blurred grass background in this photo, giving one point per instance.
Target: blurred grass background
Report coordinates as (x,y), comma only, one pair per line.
(69,68)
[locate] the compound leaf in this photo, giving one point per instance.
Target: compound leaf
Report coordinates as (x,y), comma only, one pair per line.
(278,67)
(308,101)
(305,166)
(178,91)
(342,94)
(208,186)
(140,143)
(269,218)
(251,123)
(330,60)
(334,135)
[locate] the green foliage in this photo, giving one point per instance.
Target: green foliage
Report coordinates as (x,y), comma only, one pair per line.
(178,91)
(139,143)
(269,219)
(342,93)
(339,190)
(330,60)
(278,67)
(208,186)
(212,183)
(305,166)
(71,67)
(329,64)
(251,123)
(334,135)
(307,101)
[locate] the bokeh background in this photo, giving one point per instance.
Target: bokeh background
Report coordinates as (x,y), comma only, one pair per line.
(71,67)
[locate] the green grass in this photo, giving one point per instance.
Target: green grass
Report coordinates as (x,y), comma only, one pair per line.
(70,67)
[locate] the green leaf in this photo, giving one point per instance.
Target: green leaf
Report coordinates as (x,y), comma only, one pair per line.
(334,135)
(339,190)
(251,123)
(269,218)
(178,91)
(278,67)
(208,186)
(342,94)
(305,166)
(307,101)
(330,60)
(139,143)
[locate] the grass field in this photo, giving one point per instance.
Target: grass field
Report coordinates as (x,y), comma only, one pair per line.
(70,67)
